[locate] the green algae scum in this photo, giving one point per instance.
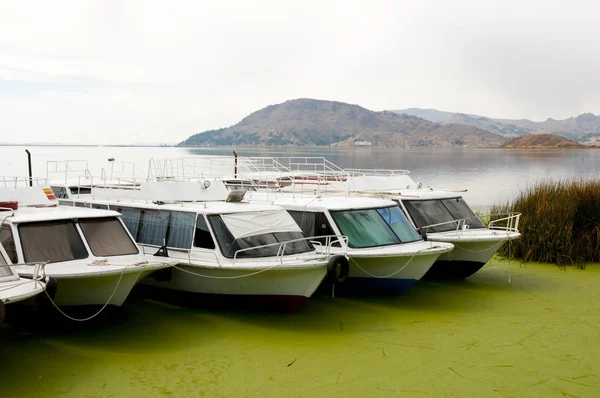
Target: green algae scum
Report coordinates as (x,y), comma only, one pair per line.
(481,337)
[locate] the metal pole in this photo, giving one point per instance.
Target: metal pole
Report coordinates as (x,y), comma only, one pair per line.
(235,165)
(29,164)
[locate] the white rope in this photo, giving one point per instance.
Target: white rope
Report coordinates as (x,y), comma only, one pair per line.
(227,277)
(394,273)
(498,244)
(100,310)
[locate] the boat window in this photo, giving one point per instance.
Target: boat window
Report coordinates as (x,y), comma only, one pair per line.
(181,229)
(436,211)
(83,204)
(400,224)
(7,240)
(460,210)
(130,217)
(203,239)
(60,192)
(80,190)
(107,237)
(229,245)
(313,224)
(364,228)
(99,206)
(51,241)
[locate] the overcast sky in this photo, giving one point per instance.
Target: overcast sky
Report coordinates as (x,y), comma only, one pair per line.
(148,71)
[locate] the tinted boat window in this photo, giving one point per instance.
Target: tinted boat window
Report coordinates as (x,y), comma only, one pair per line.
(7,240)
(459,209)
(400,224)
(107,237)
(51,241)
(313,224)
(430,212)
(364,228)
(60,192)
(229,245)
(130,217)
(203,238)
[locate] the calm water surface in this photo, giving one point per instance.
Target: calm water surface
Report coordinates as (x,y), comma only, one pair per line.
(538,335)
(491,176)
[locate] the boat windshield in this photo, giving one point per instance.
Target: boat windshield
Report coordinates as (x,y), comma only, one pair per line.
(375,227)
(436,211)
(51,241)
(229,245)
(106,236)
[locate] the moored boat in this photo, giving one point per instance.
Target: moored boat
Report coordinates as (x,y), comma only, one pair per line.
(223,247)
(89,252)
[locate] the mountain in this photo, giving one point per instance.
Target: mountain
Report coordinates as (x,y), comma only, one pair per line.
(584,128)
(541,141)
(309,122)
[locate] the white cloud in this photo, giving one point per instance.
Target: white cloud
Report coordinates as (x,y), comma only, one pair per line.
(133,71)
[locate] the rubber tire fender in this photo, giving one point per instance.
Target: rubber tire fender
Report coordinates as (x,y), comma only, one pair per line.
(333,264)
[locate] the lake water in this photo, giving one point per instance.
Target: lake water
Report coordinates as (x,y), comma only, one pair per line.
(490,176)
(538,335)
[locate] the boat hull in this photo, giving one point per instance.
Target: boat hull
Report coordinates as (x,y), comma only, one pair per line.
(285,287)
(468,256)
(97,290)
(23,289)
(386,275)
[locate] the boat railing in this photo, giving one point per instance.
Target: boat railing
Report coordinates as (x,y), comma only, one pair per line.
(324,249)
(511,223)
(18,182)
(376,172)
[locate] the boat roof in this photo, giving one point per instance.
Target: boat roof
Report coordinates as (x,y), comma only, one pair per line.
(423,193)
(29,214)
(329,202)
(214,207)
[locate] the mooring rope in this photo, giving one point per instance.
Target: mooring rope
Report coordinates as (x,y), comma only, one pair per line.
(228,277)
(100,310)
(393,273)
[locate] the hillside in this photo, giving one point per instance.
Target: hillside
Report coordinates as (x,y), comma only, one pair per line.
(541,141)
(308,122)
(584,128)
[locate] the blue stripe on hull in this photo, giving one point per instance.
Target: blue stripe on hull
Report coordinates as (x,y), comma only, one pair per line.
(383,286)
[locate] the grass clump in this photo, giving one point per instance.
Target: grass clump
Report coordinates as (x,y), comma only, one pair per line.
(560,222)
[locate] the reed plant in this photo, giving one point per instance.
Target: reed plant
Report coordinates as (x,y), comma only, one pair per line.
(560,222)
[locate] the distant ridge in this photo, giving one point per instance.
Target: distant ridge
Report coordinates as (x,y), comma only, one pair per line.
(541,141)
(310,122)
(584,128)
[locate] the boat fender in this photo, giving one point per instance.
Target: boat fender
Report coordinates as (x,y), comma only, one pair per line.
(338,269)
(2,312)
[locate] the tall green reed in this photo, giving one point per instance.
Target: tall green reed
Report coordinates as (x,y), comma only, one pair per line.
(560,222)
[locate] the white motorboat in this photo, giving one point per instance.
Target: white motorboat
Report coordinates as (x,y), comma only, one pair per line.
(441,215)
(386,254)
(14,288)
(223,247)
(89,252)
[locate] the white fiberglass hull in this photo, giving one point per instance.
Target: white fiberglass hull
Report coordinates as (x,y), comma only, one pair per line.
(15,291)
(392,269)
(286,286)
(472,250)
(98,282)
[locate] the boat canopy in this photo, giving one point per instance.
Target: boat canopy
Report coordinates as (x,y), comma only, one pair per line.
(246,224)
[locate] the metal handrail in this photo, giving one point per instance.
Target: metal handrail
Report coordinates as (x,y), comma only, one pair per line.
(329,240)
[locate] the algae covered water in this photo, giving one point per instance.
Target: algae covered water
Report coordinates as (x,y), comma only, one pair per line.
(535,336)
